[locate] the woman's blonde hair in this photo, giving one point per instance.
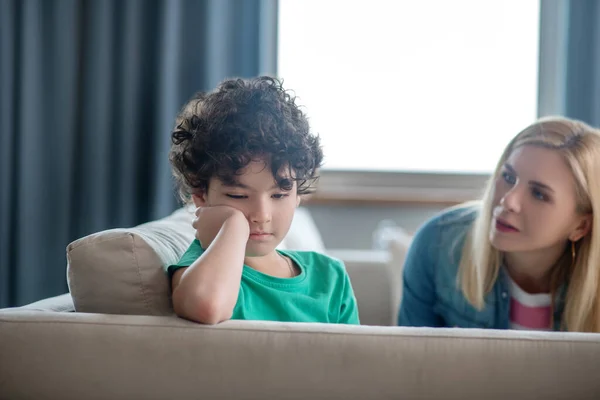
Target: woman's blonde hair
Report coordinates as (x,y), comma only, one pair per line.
(479,267)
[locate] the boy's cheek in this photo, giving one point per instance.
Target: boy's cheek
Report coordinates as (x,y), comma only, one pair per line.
(235,204)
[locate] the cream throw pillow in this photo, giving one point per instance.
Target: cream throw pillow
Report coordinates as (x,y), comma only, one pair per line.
(121,271)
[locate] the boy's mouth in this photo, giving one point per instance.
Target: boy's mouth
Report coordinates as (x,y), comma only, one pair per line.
(258,235)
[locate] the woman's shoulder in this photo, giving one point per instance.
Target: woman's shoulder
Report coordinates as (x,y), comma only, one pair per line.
(462,214)
(450,223)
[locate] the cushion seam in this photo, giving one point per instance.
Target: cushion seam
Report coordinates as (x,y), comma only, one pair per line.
(95,241)
(139,272)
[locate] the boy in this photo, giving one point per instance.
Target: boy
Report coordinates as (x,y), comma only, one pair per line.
(244,154)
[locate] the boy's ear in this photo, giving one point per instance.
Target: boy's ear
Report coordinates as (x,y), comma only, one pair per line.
(298,200)
(199,199)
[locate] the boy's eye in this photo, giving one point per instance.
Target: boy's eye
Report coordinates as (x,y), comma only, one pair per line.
(509,178)
(280,195)
(235,196)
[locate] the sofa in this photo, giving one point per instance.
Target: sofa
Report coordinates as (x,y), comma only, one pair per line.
(114,336)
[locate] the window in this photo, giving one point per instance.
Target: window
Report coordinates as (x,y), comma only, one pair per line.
(412,86)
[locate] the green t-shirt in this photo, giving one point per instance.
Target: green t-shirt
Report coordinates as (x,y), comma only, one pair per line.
(320,293)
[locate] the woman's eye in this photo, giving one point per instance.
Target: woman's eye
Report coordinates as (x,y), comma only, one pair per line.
(509,178)
(236,196)
(539,195)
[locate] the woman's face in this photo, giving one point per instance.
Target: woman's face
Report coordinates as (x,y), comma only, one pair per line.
(534,206)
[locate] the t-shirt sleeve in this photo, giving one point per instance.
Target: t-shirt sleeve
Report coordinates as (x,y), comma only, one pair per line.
(191,254)
(348,305)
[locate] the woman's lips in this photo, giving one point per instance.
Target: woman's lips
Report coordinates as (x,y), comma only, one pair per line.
(504,226)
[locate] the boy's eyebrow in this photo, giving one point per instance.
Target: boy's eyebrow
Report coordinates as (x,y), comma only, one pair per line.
(275,186)
(242,186)
(235,185)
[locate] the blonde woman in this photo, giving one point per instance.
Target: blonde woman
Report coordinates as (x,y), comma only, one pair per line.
(527,256)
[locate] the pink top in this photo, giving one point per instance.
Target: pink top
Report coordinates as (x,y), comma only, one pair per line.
(529,311)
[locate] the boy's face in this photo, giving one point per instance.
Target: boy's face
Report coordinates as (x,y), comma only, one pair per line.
(268,208)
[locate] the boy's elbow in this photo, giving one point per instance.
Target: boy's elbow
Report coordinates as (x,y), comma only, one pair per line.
(198,308)
(212,312)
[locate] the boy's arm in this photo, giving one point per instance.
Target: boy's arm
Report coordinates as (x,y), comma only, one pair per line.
(208,289)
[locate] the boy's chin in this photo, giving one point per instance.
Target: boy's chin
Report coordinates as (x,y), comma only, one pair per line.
(259,250)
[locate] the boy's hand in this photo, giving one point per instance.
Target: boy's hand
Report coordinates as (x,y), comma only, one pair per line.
(209,220)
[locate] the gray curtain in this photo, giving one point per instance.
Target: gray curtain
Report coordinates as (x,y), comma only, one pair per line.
(88,94)
(569,72)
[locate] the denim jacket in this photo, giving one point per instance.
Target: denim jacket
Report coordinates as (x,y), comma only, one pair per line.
(431,296)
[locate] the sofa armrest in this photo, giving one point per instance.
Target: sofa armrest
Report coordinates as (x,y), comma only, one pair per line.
(369,268)
(373,258)
(375,288)
(62,303)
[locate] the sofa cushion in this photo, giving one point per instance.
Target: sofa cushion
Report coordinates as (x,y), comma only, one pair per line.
(84,356)
(120,271)
(398,248)
(61,303)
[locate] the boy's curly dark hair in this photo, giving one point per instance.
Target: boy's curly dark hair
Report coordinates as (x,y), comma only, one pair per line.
(219,133)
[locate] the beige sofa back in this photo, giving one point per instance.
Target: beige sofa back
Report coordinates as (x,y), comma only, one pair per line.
(48,355)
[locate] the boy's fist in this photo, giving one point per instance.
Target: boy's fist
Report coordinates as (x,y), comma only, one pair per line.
(209,220)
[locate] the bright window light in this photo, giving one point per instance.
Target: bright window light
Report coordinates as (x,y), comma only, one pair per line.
(398,85)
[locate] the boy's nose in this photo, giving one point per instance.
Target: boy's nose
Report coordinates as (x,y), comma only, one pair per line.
(260,214)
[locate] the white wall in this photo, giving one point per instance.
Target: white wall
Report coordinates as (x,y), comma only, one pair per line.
(352,227)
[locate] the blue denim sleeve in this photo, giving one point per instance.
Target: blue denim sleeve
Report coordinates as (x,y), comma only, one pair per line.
(418,285)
